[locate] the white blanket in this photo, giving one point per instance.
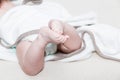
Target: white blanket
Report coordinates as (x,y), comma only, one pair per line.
(15,22)
(105,40)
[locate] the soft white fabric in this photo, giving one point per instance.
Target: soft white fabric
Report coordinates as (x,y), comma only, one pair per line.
(107,39)
(83,19)
(25,18)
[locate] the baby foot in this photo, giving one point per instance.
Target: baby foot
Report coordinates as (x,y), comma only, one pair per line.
(51,36)
(56,26)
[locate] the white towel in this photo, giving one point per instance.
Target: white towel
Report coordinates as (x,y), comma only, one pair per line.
(24,18)
(107,40)
(83,20)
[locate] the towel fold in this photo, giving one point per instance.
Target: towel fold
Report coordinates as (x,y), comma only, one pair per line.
(89,18)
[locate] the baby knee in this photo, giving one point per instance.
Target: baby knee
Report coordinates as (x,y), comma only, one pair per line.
(70,49)
(31,71)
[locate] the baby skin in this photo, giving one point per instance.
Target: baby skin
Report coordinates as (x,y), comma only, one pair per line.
(31,54)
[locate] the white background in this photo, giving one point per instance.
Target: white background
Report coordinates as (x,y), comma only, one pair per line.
(108,11)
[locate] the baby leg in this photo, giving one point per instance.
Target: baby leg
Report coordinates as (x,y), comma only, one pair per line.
(73,41)
(31,54)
